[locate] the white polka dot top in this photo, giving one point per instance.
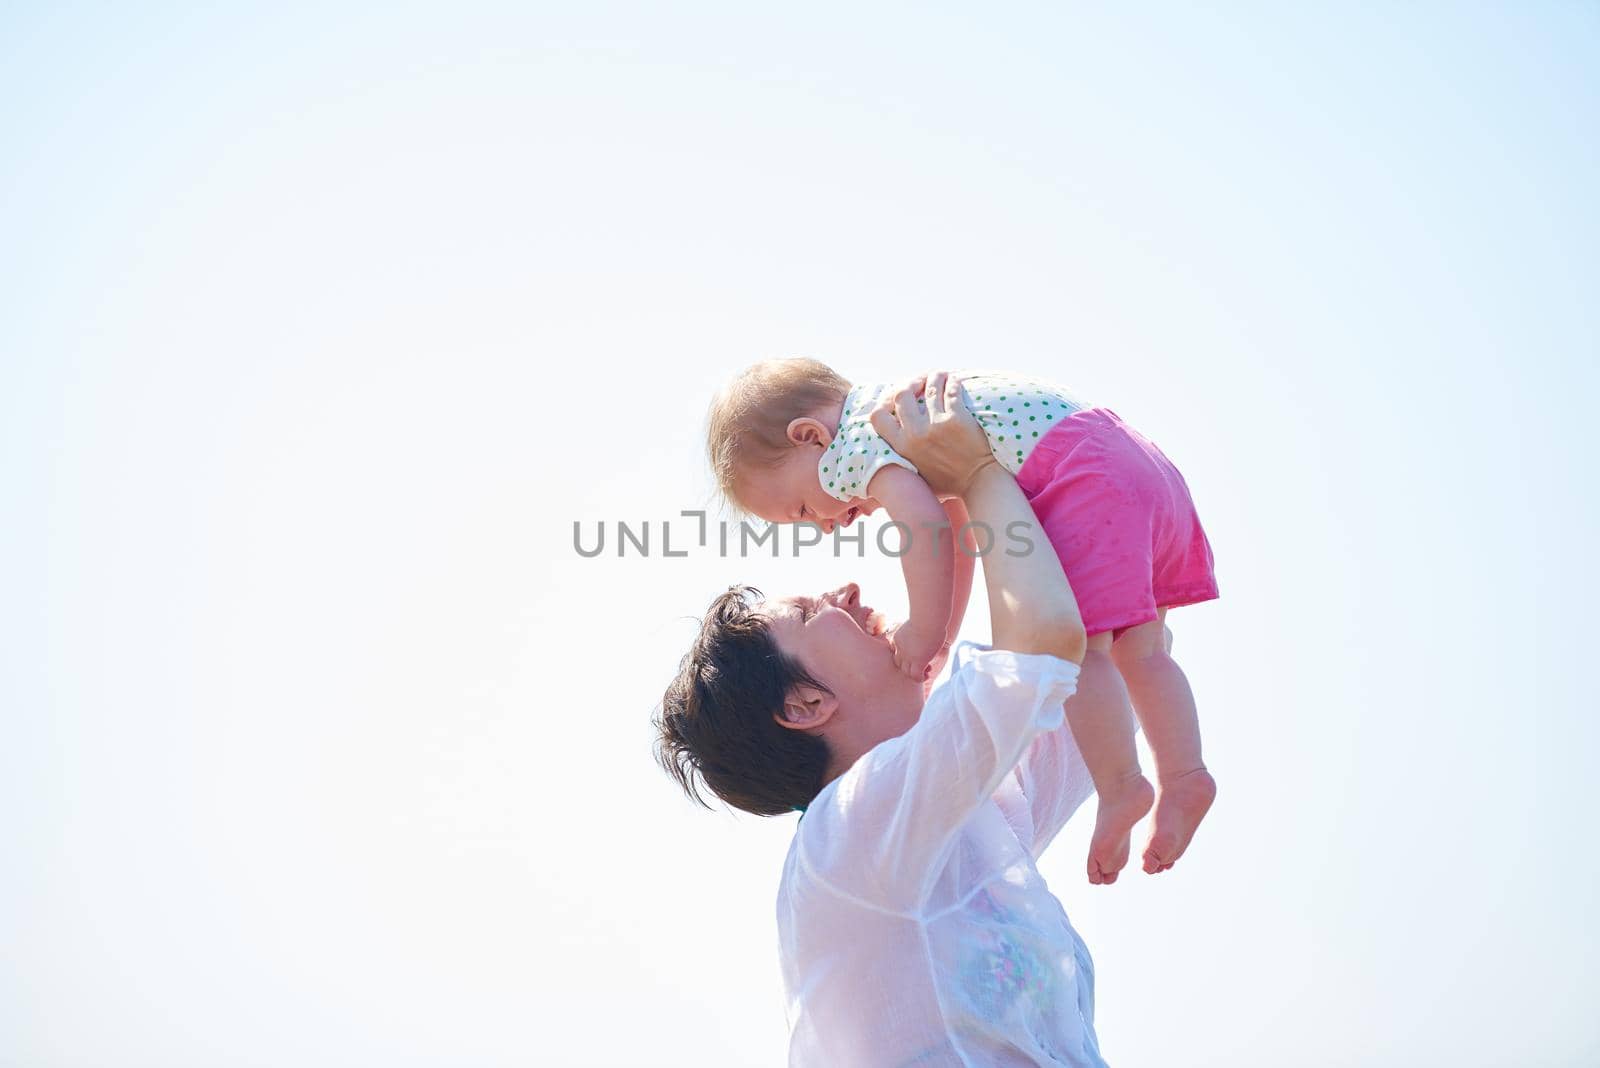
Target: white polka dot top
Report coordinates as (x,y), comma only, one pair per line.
(1015,412)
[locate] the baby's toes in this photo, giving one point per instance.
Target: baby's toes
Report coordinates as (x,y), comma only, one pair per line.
(1162,845)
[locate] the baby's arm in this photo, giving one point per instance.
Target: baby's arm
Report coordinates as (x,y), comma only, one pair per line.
(964,564)
(966,552)
(926,562)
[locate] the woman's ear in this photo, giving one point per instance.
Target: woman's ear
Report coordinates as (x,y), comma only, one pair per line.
(805,430)
(807,708)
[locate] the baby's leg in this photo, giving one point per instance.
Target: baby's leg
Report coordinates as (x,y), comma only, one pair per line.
(1165,706)
(1102,725)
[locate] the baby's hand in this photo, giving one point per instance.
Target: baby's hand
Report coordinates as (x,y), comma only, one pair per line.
(915,648)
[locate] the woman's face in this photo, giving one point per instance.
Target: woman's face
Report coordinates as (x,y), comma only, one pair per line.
(843,644)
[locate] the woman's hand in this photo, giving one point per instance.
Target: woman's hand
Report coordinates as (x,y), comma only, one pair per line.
(945,442)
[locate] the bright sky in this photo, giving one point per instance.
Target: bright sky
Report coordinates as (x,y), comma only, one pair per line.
(320,328)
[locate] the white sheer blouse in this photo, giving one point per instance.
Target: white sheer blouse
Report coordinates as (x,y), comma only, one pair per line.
(914,926)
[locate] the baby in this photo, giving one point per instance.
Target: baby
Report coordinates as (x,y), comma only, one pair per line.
(791,441)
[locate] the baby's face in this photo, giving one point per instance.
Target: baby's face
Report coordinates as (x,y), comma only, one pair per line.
(791,493)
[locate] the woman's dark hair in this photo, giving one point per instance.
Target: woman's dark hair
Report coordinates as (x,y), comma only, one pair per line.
(718,720)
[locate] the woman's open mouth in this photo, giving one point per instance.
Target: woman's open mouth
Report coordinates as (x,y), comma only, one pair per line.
(849,516)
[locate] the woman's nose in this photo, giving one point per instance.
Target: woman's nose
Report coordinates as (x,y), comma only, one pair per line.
(846,596)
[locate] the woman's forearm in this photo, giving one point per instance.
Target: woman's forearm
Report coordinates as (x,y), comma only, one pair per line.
(1031,606)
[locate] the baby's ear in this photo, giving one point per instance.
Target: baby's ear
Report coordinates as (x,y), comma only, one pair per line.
(808,431)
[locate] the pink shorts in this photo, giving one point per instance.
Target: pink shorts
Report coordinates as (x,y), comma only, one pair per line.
(1119,516)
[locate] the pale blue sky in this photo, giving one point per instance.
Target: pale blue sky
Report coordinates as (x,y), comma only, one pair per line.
(320,326)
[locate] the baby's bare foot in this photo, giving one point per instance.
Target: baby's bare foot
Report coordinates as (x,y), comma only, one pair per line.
(1182,805)
(1120,807)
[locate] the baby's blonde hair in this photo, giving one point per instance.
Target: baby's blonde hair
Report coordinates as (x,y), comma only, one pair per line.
(749,419)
